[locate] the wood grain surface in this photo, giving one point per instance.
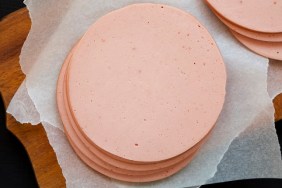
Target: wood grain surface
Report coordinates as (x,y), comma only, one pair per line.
(13,32)
(277,101)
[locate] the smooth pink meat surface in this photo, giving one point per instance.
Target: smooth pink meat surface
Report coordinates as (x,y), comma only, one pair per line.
(257,15)
(131,178)
(75,133)
(269,37)
(89,148)
(98,164)
(146,82)
(272,50)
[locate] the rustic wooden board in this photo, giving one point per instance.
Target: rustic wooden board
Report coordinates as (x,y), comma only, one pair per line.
(13,31)
(277,101)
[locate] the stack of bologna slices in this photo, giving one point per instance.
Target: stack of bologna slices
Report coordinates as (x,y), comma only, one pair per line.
(141,91)
(257,24)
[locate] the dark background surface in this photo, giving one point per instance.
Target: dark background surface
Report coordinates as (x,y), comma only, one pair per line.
(15,166)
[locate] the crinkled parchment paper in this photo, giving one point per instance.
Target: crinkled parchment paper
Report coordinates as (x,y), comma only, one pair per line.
(244,142)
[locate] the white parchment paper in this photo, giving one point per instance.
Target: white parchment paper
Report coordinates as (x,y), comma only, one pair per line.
(244,135)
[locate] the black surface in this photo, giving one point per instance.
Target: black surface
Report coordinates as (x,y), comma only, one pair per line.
(15,166)
(8,6)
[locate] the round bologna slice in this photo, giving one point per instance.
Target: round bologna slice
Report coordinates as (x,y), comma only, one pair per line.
(131,178)
(257,15)
(272,50)
(121,163)
(146,82)
(269,37)
(96,155)
(102,167)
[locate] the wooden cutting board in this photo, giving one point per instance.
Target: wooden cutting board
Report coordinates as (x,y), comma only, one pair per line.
(13,32)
